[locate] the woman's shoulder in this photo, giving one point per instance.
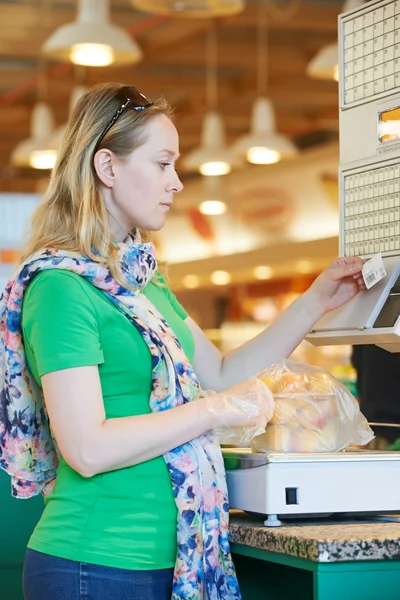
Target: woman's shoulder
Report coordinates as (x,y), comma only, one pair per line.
(57,286)
(57,300)
(56,275)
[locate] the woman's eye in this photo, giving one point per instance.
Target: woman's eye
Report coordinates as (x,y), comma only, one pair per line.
(163,166)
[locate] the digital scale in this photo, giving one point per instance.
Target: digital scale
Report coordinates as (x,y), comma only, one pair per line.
(287,486)
(283,486)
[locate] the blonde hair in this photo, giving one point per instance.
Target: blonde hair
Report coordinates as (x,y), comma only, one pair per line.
(72,215)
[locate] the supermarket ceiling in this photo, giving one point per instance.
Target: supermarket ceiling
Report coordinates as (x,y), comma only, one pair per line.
(174,64)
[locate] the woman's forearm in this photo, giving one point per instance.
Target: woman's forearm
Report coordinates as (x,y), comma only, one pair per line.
(278,341)
(126,441)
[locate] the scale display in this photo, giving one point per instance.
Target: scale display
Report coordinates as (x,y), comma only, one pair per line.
(389,125)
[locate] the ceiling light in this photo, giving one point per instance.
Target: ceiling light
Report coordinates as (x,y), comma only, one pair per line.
(191,281)
(264,146)
(260,155)
(220,277)
(36,151)
(263,272)
(91,40)
(43,159)
(92,55)
(212,207)
(212,200)
(191,8)
(212,157)
(324,65)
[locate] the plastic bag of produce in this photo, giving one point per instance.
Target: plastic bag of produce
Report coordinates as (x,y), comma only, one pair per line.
(313,412)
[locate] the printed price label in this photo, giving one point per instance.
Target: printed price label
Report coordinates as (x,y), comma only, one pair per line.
(373,270)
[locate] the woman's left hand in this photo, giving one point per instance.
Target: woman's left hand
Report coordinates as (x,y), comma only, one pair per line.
(338,283)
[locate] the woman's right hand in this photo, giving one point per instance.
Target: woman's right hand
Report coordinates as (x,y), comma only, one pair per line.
(248,403)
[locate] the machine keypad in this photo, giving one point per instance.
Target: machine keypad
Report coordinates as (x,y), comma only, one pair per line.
(371,53)
(372,211)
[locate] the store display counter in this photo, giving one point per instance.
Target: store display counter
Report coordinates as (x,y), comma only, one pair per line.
(316,561)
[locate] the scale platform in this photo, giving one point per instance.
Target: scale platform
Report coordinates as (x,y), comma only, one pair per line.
(287,486)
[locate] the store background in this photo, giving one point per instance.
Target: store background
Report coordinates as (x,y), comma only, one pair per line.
(281,222)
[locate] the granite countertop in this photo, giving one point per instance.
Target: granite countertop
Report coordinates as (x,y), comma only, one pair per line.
(325,542)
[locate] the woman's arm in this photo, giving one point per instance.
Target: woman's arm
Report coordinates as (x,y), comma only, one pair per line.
(340,282)
(218,372)
(92,444)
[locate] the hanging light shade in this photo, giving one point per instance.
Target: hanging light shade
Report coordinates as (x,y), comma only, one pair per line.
(325,65)
(58,134)
(213,157)
(213,197)
(91,40)
(263,145)
(36,151)
(191,8)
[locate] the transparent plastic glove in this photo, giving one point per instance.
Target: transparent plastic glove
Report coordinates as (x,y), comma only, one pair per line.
(240,412)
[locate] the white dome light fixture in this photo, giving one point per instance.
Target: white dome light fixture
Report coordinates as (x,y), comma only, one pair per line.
(325,65)
(263,145)
(191,8)
(36,151)
(91,40)
(212,208)
(213,203)
(212,157)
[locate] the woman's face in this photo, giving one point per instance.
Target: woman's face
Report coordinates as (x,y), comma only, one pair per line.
(145,181)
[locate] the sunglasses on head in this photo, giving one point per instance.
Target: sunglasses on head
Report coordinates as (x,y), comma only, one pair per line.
(129,97)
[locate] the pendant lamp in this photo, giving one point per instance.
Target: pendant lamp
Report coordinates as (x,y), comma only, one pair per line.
(213,197)
(212,157)
(91,40)
(36,151)
(191,8)
(324,65)
(263,145)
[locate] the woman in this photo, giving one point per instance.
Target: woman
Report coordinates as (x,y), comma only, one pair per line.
(96,346)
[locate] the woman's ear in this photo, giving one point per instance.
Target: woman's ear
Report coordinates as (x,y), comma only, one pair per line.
(103,164)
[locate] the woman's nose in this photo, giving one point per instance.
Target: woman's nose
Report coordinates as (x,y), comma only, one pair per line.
(176,184)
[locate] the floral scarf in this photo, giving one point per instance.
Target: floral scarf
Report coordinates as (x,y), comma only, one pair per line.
(204,568)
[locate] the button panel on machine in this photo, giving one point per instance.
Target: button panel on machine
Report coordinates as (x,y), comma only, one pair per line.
(372,211)
(371,53)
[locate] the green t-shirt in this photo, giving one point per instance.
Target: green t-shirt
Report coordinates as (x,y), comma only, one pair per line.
(124,518)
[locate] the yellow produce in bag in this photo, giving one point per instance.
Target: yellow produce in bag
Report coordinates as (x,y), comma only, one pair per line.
(313,412)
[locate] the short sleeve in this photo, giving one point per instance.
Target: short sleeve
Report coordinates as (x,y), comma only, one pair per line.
(59,322)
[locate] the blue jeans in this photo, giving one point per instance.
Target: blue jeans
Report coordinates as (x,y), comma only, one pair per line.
(47,577)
